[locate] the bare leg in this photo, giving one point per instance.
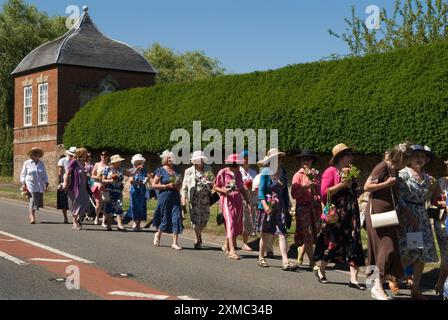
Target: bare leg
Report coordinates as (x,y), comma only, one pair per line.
(262,245)
(418,272)
(309,250)
(32,216)
(443,274)
(197,231)
(120,221)
(354,271)
(64,212)
(283,248)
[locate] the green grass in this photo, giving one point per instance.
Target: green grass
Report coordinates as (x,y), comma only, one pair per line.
(6,180)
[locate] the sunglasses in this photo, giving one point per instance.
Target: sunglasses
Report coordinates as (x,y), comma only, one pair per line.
(104,155)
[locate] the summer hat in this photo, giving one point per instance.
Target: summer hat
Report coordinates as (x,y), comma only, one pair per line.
(36,151)
(307,154)
(116,158)
(234,159)
(271,154)
(197,157)
(137,158)
(425,149)
(71,151)
(338,150)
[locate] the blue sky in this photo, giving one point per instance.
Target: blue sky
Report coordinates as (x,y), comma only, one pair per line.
(245,35)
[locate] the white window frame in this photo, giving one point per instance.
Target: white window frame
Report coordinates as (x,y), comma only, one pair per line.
(28,106)
(43,103)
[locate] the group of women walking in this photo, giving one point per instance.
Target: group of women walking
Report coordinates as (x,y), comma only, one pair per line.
(402,197)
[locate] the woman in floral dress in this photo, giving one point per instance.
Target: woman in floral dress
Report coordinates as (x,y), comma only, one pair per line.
(416,188)
(113,177)
(340,242)
(196,191)
(305,190)
(272,217)
(442,239)
(168,214)
(138,206)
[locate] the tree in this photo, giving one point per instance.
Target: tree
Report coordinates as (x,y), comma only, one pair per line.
(22,28)
(413,22)
(176,67)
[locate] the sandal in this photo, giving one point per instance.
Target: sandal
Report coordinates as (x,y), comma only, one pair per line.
(234,256)
(224,249)
(289,267)
(176,247)
(262,263)
(322,279)
(247,248)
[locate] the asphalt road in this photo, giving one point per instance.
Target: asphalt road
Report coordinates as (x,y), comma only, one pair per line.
(205,275)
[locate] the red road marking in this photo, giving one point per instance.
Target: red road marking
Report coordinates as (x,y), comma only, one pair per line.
(92,279)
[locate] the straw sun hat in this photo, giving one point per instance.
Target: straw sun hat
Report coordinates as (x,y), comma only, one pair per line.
(338,150)
(36,151)
(116,158)
(271,154)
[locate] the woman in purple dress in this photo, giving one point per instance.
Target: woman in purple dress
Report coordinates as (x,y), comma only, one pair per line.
(77,187)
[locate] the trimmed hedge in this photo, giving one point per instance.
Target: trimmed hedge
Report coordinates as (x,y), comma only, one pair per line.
(372,102)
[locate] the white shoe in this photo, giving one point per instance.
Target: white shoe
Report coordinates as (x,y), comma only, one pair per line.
(378,296)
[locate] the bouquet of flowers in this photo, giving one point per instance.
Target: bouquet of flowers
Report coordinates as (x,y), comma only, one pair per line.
(208,178)
(312,174)
(248,184)
(272,201)
(24,191)
(350,173)
(175,179)
(231,186)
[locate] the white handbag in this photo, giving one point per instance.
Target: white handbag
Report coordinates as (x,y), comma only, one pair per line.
(384,219)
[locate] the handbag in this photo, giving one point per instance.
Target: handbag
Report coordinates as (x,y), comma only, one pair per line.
(329,215)
(384,219)
(105,196)
(214,198)
(436,213)
(220,219)
(414,240)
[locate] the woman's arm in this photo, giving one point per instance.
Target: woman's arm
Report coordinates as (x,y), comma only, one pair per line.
(372,186)
(23,174)
(297,188)
(158,186)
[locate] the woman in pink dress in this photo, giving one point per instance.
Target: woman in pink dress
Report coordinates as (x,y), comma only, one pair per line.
(306,191)
(229,183)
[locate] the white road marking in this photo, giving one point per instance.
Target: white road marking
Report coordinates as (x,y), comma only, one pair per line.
(138,295)
(42,246)
(185,298)
(51,260)
(12,259)
(8,240)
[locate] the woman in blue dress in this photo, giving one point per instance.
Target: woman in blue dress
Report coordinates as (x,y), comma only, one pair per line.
(138,205)
(168,214)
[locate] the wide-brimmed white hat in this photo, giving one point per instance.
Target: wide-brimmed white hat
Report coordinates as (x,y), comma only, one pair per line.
(71,151)
(137,158)
(116,158)
(198,157)
(271,154)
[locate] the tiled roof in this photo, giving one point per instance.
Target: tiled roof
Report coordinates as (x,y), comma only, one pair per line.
(84,45)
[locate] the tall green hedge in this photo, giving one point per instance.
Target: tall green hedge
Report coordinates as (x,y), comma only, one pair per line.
(371,102)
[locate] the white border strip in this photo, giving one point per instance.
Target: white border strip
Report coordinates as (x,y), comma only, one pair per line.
(138,295)
(35,244)
(50,260)
(12,259)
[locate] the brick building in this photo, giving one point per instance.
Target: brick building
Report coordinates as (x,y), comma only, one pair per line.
(58,78)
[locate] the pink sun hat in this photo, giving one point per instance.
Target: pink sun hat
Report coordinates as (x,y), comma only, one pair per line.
(234,159)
